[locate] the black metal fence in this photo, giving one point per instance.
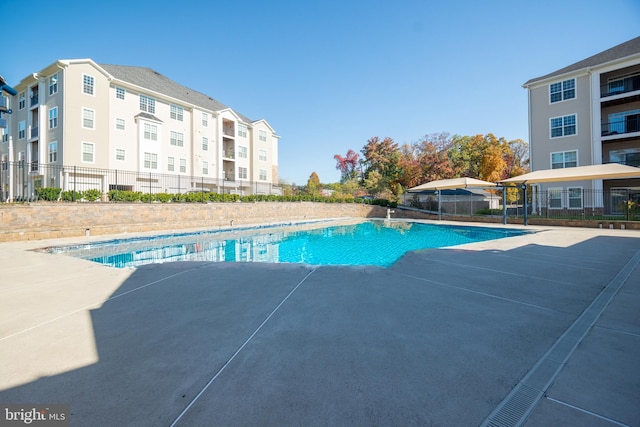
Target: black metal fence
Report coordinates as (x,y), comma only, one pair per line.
(20,181)
(571,203)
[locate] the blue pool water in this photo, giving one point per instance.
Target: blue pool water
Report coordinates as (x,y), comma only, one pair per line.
(373,242)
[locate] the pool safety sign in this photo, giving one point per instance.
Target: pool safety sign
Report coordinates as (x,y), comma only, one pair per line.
(34,415)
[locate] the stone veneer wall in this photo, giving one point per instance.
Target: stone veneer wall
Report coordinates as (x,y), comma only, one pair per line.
(54,220)
(43,220)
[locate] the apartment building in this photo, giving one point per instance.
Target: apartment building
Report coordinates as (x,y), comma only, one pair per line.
(81,115)
(585,114)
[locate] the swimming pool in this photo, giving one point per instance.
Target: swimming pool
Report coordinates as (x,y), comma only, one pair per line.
(374,242)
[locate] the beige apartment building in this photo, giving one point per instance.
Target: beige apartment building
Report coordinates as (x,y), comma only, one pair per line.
(75,122)
(585,114)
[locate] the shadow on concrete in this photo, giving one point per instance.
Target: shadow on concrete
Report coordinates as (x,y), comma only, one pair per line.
(437,339)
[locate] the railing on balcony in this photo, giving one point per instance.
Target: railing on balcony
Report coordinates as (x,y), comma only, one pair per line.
(629,124)
(229,154)
(34,132)
(629,84)
(33,166)
(34,100)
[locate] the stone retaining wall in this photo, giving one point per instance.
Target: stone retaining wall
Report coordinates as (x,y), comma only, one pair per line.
(54,220)
(43,220)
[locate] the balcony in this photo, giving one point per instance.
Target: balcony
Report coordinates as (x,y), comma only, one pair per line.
(34,132)
(34,100)
(228,154)
(33,166)
(619,87)
(626,125)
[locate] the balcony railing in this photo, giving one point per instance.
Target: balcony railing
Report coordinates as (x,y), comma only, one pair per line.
(630,84)
(34,100)
(629,162)
(34,132)
(630,124)
(33,166)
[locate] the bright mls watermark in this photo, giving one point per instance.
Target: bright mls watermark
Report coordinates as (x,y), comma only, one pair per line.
(34,415)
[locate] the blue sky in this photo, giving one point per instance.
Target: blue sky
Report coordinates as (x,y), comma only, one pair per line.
(329,75)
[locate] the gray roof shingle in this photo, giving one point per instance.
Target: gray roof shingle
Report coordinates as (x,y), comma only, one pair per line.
(152,80)
(631,47)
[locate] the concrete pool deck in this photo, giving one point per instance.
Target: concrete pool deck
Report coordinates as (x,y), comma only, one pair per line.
(543,326)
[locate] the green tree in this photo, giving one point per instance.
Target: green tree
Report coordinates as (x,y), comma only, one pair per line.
(381,158)
(313,185)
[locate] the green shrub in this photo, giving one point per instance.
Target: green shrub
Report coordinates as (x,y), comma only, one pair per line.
(91,195)
(146,197)
(48,193)
(163,197)
(71,196)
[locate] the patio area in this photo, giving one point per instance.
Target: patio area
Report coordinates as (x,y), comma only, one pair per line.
(534,330)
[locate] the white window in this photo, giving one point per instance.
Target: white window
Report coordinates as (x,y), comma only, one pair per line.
(176,113)
(575,197)
(205,143)
(147,104)
(119,124)
(564,159)
(88,118)
(120,154)
(242,152)
(242,130)
(205,167)
(150,160)
(22,129)
(53,118)
(262,135)
(22,101)
(563,126)
(561,91)
(262,155)
(263,175)
(150,132)
(87,84)
(53,84)
(53,151)
(177,139)
(171,164)
(120,93)
(555,198)
(242,173)
(88,152)
(205,119)
(183,165)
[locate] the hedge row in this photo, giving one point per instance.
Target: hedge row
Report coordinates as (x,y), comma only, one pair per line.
(55,194)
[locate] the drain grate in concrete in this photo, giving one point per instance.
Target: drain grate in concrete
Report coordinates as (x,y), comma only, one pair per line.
(518,405)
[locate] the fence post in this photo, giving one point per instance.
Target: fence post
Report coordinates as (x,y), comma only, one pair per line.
(202,188)
(628,204)
(75,180)
(524,203)
(504,204)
